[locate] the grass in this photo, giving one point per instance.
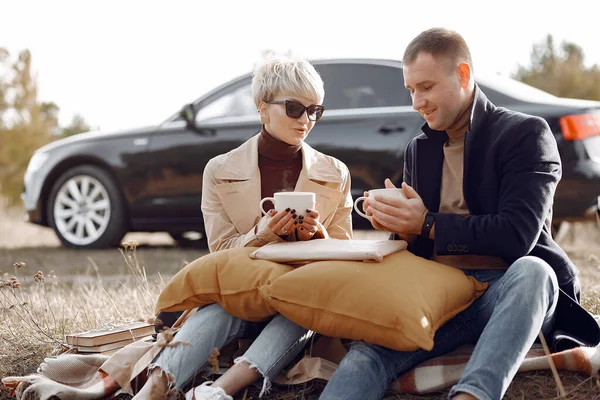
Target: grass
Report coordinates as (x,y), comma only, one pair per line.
(37,310)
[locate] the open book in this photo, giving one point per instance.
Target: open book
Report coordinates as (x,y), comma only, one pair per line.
(131,331)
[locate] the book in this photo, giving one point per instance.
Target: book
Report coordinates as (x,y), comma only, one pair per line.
(102,348)
(96,337)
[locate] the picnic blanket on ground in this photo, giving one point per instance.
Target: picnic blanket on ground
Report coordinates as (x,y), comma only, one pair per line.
(69,376)
(442,372)
(74,376)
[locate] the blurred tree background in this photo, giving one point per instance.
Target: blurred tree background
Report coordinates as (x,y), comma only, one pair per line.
(561,71)
(26,123)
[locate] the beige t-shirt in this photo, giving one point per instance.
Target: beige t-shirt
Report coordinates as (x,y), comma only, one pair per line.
(452,201)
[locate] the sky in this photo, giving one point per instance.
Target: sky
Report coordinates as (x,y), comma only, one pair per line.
(124,64)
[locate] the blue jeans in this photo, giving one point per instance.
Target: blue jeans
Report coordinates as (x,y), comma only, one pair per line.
(503,323)
(276,346)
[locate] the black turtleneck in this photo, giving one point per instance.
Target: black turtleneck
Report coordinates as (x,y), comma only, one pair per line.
(279,163)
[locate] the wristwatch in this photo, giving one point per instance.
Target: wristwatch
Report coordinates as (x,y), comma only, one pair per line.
(427,224)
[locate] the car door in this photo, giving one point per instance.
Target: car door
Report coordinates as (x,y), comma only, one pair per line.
(226,118)
(368,120)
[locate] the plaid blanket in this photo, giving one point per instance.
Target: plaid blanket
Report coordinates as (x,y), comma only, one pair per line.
(69,376)
(442,372)
(73,376)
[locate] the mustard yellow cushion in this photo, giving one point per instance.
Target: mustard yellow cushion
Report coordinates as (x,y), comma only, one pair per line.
(228,277)
(398,303)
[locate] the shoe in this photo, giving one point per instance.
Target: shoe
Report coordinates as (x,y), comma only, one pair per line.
(207,392)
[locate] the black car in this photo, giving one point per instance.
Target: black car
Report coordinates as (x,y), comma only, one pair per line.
(94,187)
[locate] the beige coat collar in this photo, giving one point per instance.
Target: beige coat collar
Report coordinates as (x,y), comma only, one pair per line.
(240,193)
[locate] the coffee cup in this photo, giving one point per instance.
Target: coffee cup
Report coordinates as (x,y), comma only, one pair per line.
(299,201)
(379,194)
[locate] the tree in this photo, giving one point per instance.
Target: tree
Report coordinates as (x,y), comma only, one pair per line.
(561,71)
(3,85)
(26,123)
(77,125)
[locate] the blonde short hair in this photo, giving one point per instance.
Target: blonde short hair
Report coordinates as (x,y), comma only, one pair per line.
(283,73)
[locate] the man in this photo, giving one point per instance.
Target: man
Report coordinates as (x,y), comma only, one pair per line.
(480,182)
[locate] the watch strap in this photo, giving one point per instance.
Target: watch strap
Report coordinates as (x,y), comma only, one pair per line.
(427,224)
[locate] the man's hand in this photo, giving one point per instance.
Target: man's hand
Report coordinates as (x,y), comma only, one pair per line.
(402,216)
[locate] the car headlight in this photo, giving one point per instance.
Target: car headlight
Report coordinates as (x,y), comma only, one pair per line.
(37,160)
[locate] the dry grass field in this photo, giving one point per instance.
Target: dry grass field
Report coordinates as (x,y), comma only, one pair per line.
(80,290)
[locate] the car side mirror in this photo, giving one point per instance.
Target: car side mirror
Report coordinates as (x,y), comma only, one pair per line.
(188,114)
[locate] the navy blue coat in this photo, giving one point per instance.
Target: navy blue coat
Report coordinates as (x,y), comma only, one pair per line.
(511,170)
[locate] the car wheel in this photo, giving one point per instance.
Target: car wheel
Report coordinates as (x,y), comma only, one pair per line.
(196,240)
(86,210)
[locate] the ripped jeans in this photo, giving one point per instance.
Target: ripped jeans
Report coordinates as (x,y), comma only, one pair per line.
(277,345)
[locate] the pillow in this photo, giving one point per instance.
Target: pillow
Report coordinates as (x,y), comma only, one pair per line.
(329,249)
(398,303)
(228,277)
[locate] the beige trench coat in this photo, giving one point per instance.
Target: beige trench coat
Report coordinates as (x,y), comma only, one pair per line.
(231,196)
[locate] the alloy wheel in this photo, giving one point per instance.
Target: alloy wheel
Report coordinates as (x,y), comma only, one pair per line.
(82,209)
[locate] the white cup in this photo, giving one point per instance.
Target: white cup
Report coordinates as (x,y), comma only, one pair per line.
(299,201)
(379,194)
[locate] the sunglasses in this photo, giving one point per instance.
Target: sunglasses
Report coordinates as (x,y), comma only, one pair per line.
(295,109)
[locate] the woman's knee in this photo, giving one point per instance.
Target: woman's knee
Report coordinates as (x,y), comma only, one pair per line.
(214,318)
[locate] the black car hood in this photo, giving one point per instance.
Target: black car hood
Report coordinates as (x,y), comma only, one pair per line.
(98,136)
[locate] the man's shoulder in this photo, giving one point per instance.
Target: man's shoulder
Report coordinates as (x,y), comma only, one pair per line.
(510,121)
(513,130)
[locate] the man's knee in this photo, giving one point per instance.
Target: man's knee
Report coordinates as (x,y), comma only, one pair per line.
(534,267)
(533,274)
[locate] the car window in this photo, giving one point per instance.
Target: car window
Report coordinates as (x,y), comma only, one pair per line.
(233,104)
(363,86)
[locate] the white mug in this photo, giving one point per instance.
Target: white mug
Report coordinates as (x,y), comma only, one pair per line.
(299,201)
(379,194)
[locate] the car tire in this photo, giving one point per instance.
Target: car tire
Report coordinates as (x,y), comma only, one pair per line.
(86,209)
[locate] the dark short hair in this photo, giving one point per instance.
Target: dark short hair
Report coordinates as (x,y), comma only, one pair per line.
(439,42)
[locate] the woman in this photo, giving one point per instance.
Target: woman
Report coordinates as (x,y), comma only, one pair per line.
(288,94)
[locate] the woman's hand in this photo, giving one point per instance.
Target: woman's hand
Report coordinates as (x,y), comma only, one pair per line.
(308,225)
(282,222)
